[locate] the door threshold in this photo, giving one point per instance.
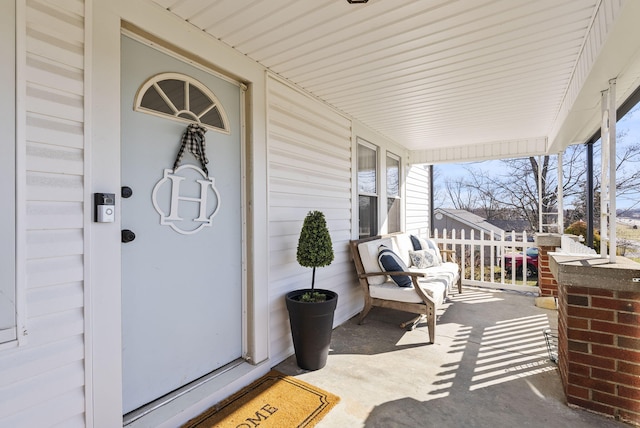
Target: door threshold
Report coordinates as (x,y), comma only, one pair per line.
(199,389)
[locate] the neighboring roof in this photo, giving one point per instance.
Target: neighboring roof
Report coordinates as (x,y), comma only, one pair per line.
(470,219)
(511,225)
(451,81)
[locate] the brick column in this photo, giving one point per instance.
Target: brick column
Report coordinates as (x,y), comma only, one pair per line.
(599,350)
(547,243)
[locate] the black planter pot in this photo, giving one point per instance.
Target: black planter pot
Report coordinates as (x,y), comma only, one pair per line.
(311,326)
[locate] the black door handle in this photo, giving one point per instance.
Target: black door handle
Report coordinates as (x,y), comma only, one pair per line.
(126,192)
(127,236)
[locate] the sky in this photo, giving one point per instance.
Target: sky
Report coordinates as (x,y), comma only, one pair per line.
(630,124)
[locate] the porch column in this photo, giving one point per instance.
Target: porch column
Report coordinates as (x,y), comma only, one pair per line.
(598,330)
(608,179)
(547,243)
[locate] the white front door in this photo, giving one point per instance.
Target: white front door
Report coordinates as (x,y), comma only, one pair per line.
(181,288)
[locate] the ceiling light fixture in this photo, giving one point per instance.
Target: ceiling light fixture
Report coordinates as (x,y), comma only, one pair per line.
(357,1)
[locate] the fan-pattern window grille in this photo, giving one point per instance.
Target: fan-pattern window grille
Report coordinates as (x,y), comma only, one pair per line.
(182,98)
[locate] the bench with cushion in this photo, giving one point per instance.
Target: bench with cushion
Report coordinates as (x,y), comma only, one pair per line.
(404,272)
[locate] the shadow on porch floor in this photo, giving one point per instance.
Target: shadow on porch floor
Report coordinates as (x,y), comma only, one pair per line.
(489,367)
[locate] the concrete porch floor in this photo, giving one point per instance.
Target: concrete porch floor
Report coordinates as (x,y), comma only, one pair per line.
(489,367)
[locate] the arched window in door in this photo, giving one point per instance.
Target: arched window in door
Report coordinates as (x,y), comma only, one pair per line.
(182,98)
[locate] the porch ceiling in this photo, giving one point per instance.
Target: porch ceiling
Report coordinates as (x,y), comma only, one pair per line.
(433,74)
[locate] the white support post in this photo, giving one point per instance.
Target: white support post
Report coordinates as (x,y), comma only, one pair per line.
(604,174)
(608,177)
(560,196)
(612,171)
(540,213)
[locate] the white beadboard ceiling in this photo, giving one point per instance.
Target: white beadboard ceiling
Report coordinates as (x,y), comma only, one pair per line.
(433,74)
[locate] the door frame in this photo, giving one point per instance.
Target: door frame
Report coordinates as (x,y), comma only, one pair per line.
(105,21)
(241,88)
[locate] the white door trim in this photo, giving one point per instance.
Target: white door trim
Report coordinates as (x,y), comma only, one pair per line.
(103,175)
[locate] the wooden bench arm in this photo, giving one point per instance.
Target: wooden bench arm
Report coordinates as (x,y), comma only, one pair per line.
(450,255)
(393,273)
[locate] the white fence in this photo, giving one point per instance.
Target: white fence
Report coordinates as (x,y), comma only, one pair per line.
(482,261)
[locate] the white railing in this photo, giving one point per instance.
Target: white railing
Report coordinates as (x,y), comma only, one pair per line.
(571,244)
(482,260)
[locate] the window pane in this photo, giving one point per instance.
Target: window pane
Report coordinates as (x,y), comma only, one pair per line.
(368,216)
(366,170)
(393,214)
(174,90)
(393,177)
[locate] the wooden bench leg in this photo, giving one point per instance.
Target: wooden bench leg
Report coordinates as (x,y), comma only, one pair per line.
(365,310)
(431,320)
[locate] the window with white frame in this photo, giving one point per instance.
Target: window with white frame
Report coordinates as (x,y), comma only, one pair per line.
(393,194)
(7,177)
(367,189)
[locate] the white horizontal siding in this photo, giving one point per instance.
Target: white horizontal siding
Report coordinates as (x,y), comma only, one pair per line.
(53,412)
(55,270)
(417,202)
(42,383)
(30,361)
(54,215)
(54,243)
(310,168)
(60,160)
(55,131)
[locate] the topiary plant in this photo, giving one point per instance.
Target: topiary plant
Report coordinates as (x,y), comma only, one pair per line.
(314,245)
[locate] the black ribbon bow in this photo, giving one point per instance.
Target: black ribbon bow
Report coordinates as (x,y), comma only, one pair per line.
(193,138)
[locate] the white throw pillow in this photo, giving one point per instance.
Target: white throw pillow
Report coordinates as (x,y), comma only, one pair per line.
(423,259)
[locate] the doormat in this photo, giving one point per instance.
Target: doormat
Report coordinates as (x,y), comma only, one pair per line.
(275,400)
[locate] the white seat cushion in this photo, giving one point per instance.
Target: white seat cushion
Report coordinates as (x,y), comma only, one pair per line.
(433,287)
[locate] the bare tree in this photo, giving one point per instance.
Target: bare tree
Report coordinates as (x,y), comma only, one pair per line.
(514,189)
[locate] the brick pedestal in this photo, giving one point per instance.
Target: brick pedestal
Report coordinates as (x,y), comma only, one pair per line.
(546,243)
(599,340)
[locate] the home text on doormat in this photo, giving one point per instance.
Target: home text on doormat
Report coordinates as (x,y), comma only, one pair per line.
(275,400)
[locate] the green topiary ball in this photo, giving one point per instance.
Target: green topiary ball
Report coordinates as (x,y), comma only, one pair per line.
(314,245)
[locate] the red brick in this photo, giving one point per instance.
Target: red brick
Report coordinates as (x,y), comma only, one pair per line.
(600,292)
(578,346)
(616,401)
(617,353)
(626,416)
(616,328)
(590,336)
(632,393)
(616,377)
(596,407)
(581,323)
(629,343)
(615,304)
(625,367)
(598,314)
(579,369)
(627,318)
(589,291)
(593,384)
(578,300)
(592,360)
(629,295)
(578,391)
(579,290)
